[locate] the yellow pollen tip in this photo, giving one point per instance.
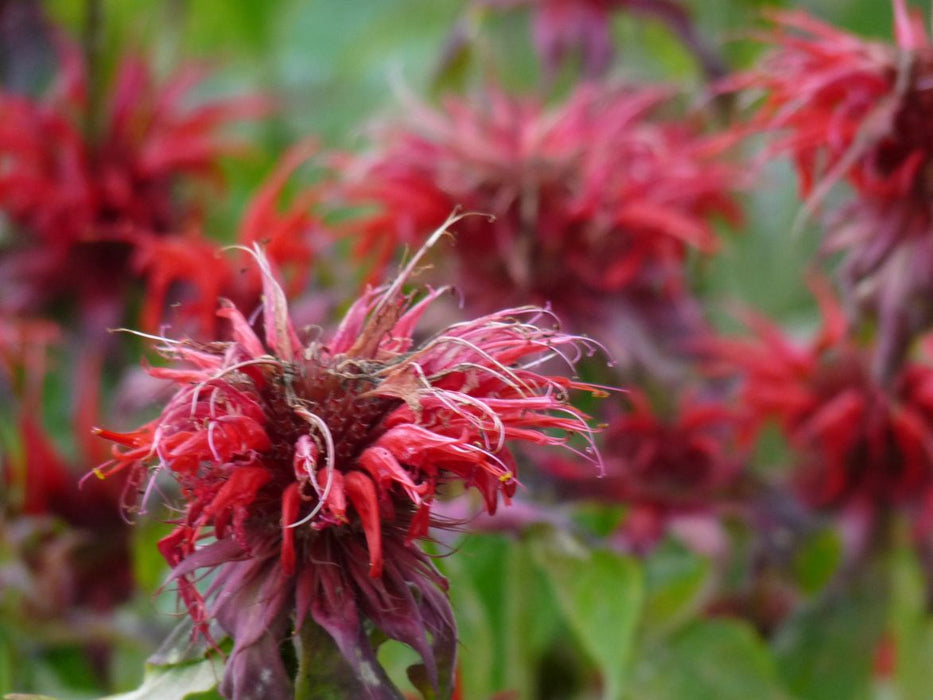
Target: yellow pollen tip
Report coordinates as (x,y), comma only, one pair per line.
(599,393)
(508,476)
(99,474)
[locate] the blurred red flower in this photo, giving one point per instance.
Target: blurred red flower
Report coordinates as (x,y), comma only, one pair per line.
(85,565)
(856,110)
(23,352)
(81,202)
(194,264)
(595,198)
(663,466)
(857,441)
(306,459)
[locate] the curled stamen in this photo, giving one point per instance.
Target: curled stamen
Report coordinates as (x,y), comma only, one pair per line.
(330,456)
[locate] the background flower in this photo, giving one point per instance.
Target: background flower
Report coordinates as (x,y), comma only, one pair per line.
(80,202)
(853,110)
(596,203)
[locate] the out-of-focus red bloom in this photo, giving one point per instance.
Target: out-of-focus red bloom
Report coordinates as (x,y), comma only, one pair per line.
(80,204)
(197,265)
(663,466)
(590,199)
(884,665)
(23,351)
(93,557)
(857,441)
(284,231)
(188,261)
(314,464)
(88,566)
(855,110)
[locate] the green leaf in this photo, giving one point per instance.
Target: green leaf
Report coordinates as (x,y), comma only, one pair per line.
(506,619)
(182,646)
(246,25)
(601,595)
(396,658)
(911,626)
(817,560)
(826,650)
(599,518)
(7,663)
(72,665)
(675,580)
(708,660)
(149,567)
(182,667)
(178,682)
(474,631)
(529,619)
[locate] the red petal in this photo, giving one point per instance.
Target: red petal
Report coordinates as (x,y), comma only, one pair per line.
(290,503)
(362,494)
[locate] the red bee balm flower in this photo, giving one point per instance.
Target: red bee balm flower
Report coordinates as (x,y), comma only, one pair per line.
(855,110)
(664,466)
(858,441)
(314,466)
(82,203)
(593,199)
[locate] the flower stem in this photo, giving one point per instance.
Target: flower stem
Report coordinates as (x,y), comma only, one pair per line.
(324,673)
(93,41)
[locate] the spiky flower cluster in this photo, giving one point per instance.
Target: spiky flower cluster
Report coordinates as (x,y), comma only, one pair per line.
(591,197)
(857,440)
(307,470)
(313,464)
(596,203)
(853,110)
(663,464)
(89,188)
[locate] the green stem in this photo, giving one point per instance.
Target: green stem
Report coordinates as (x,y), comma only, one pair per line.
(324,673)
(93,41)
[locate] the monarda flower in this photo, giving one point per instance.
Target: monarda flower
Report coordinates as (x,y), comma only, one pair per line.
(309,467)
(593,199)
(194,264)
(859,444)
(80,201)
(23,345)
(852,110)
(664,465)
(65,557)
(93,567)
